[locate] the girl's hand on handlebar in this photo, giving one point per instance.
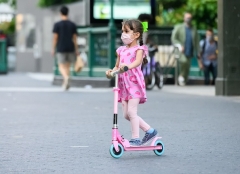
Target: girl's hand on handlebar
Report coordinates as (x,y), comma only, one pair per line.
(122,68)
(108,73)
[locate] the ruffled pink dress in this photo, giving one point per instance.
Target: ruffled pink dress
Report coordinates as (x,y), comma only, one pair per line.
(131,83)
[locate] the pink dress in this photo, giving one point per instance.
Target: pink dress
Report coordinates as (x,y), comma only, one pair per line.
(131,83)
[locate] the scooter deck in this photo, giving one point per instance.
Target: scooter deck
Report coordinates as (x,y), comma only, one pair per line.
(151,146)
(142,148)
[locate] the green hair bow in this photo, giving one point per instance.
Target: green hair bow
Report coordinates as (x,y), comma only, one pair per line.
(145,26)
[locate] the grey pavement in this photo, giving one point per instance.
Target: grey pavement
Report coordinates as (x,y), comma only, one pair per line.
(50,131)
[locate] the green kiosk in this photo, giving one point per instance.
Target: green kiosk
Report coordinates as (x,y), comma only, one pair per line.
(3,57)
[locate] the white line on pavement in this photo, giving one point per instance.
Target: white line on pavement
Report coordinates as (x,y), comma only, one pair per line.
(79,146)
(191,90)
(41,76)
(34,89)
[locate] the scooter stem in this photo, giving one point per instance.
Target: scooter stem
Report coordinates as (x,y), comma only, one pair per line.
(115,89)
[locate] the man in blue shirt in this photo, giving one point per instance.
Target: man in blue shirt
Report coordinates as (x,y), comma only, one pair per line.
(208,57)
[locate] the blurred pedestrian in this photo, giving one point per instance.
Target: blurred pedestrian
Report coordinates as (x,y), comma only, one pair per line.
(144,17)
(2,35)
(208,57)
(185,36)
(65,45)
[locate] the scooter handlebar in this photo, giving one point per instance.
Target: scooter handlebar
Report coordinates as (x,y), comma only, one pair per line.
(113,73)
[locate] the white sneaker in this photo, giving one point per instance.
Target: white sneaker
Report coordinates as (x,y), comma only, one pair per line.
(66,84)
(181,81)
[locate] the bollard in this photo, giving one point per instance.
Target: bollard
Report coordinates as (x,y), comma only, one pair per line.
(3,57)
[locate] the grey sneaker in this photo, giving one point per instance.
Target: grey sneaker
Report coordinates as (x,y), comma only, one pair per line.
(135,142)
(148,137)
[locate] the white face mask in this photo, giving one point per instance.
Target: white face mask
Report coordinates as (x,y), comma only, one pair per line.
(209,38)
(126,38)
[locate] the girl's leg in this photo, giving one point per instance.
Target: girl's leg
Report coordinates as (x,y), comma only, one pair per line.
(135,120)
(143,125)
(125,110)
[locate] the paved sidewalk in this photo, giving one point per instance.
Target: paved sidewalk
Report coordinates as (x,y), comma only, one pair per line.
(191,90)
(26,80)
(40,80)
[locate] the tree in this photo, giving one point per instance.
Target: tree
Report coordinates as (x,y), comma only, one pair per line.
(8,27)
(47,3)
(204,12)
(170,12)
(11,2)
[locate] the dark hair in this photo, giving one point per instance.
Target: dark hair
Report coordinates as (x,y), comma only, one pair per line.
(187,12)
(210,29)
(136,26)
(144,17)
(64,10)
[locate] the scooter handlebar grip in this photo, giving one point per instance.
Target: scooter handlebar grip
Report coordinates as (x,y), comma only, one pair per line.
(113,73)
(125,68)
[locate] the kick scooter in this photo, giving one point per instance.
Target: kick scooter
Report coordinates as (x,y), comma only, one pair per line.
(120,144)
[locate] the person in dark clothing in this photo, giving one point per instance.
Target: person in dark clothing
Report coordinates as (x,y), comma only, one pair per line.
(65,45)
(208,57)
(144,17)
(2,35)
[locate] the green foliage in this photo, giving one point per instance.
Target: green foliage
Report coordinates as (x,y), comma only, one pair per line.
(47,3)
(204,12)
(168,4)
(8,27)
(12,2)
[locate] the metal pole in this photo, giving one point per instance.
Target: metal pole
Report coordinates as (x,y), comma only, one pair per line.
(176,58)
(111,22)
(112,38)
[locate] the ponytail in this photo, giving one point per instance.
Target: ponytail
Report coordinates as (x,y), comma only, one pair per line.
(145,61)
(141,41)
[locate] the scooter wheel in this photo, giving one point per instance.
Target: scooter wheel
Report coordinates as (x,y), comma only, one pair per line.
(114,153)
(160,151)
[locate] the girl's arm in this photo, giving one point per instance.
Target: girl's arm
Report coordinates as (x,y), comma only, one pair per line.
(115,68)
(138,61)
(117,62)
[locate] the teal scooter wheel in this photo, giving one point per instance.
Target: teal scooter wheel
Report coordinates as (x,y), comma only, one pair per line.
(114,153)
(160,151)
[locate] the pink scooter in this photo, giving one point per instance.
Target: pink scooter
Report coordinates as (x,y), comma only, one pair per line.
(120,144)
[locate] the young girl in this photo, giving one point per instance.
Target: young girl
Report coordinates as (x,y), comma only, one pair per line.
(131,83)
